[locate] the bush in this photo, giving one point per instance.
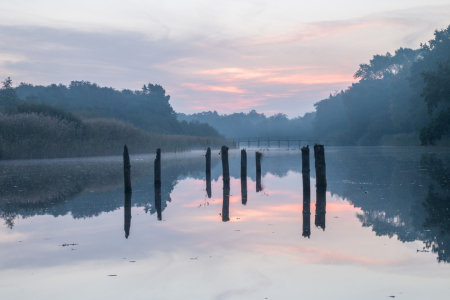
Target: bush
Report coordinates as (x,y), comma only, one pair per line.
(34,135)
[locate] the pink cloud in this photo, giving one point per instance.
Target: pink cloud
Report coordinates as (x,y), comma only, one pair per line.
(201,87)
(311,79)
(278,95)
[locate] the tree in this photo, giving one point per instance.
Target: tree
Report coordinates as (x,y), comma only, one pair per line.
(436,94)
(434,70)
(8,95)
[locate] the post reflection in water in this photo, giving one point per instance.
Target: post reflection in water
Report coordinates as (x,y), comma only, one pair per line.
(244,176)
(226,204)
(127,214)
(158,201)
(258,156)
(321,203)
(208,184)
(306,205)
(259,187)
(244,190)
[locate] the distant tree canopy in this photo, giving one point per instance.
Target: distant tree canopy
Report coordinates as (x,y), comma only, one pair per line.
(8,95)
(253,124)
(148,109)
(402,93)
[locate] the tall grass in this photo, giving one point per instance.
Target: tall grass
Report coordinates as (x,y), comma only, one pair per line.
(33,135)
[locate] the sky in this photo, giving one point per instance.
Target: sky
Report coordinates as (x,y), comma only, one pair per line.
(223,55)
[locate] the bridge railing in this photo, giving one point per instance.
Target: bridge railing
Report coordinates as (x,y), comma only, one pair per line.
(294,141)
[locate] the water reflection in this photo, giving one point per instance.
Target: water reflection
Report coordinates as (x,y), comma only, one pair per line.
(321,204)
(259,187)
(244,190)
(244,176)
(226,204)
(158,201)
(306,205)
(401,193)
(208,184)
(127,214)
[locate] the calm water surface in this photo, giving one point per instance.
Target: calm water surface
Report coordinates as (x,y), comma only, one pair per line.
(383,230)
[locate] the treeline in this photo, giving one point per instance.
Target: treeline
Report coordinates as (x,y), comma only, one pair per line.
(253,124)
(148,109)
(41,131)
(398,99)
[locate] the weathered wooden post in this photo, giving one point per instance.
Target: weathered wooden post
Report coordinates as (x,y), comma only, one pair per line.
(258,156)
(158,201)
(305,160)
(244,176)
(127,214)
(126,170)
(157,167)
(248,142)
(225,166)
(208,161)
(319,157)
(243,163)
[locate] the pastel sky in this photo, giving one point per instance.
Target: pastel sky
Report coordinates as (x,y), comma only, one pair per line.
(224,55)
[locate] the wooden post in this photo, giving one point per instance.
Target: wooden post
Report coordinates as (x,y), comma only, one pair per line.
(289,144)
(258,143)
(157,167)
(268,143)
(244,176)
(208,161)
(305,160)
(279,144)
(126,170)
(248,142)
(258,157)
(319,157)
(158,201)
(127,214)
(225,166)
(243,163)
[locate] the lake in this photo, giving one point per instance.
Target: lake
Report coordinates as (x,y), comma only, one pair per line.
(382,230)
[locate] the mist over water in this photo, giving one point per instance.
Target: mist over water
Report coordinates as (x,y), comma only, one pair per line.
(378,222)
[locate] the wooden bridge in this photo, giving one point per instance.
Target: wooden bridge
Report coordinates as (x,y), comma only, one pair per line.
(285,141)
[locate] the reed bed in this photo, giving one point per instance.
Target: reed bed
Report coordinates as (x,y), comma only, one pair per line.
(31,136)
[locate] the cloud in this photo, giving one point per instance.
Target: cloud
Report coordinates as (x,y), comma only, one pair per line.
(228,89)
(283,65)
